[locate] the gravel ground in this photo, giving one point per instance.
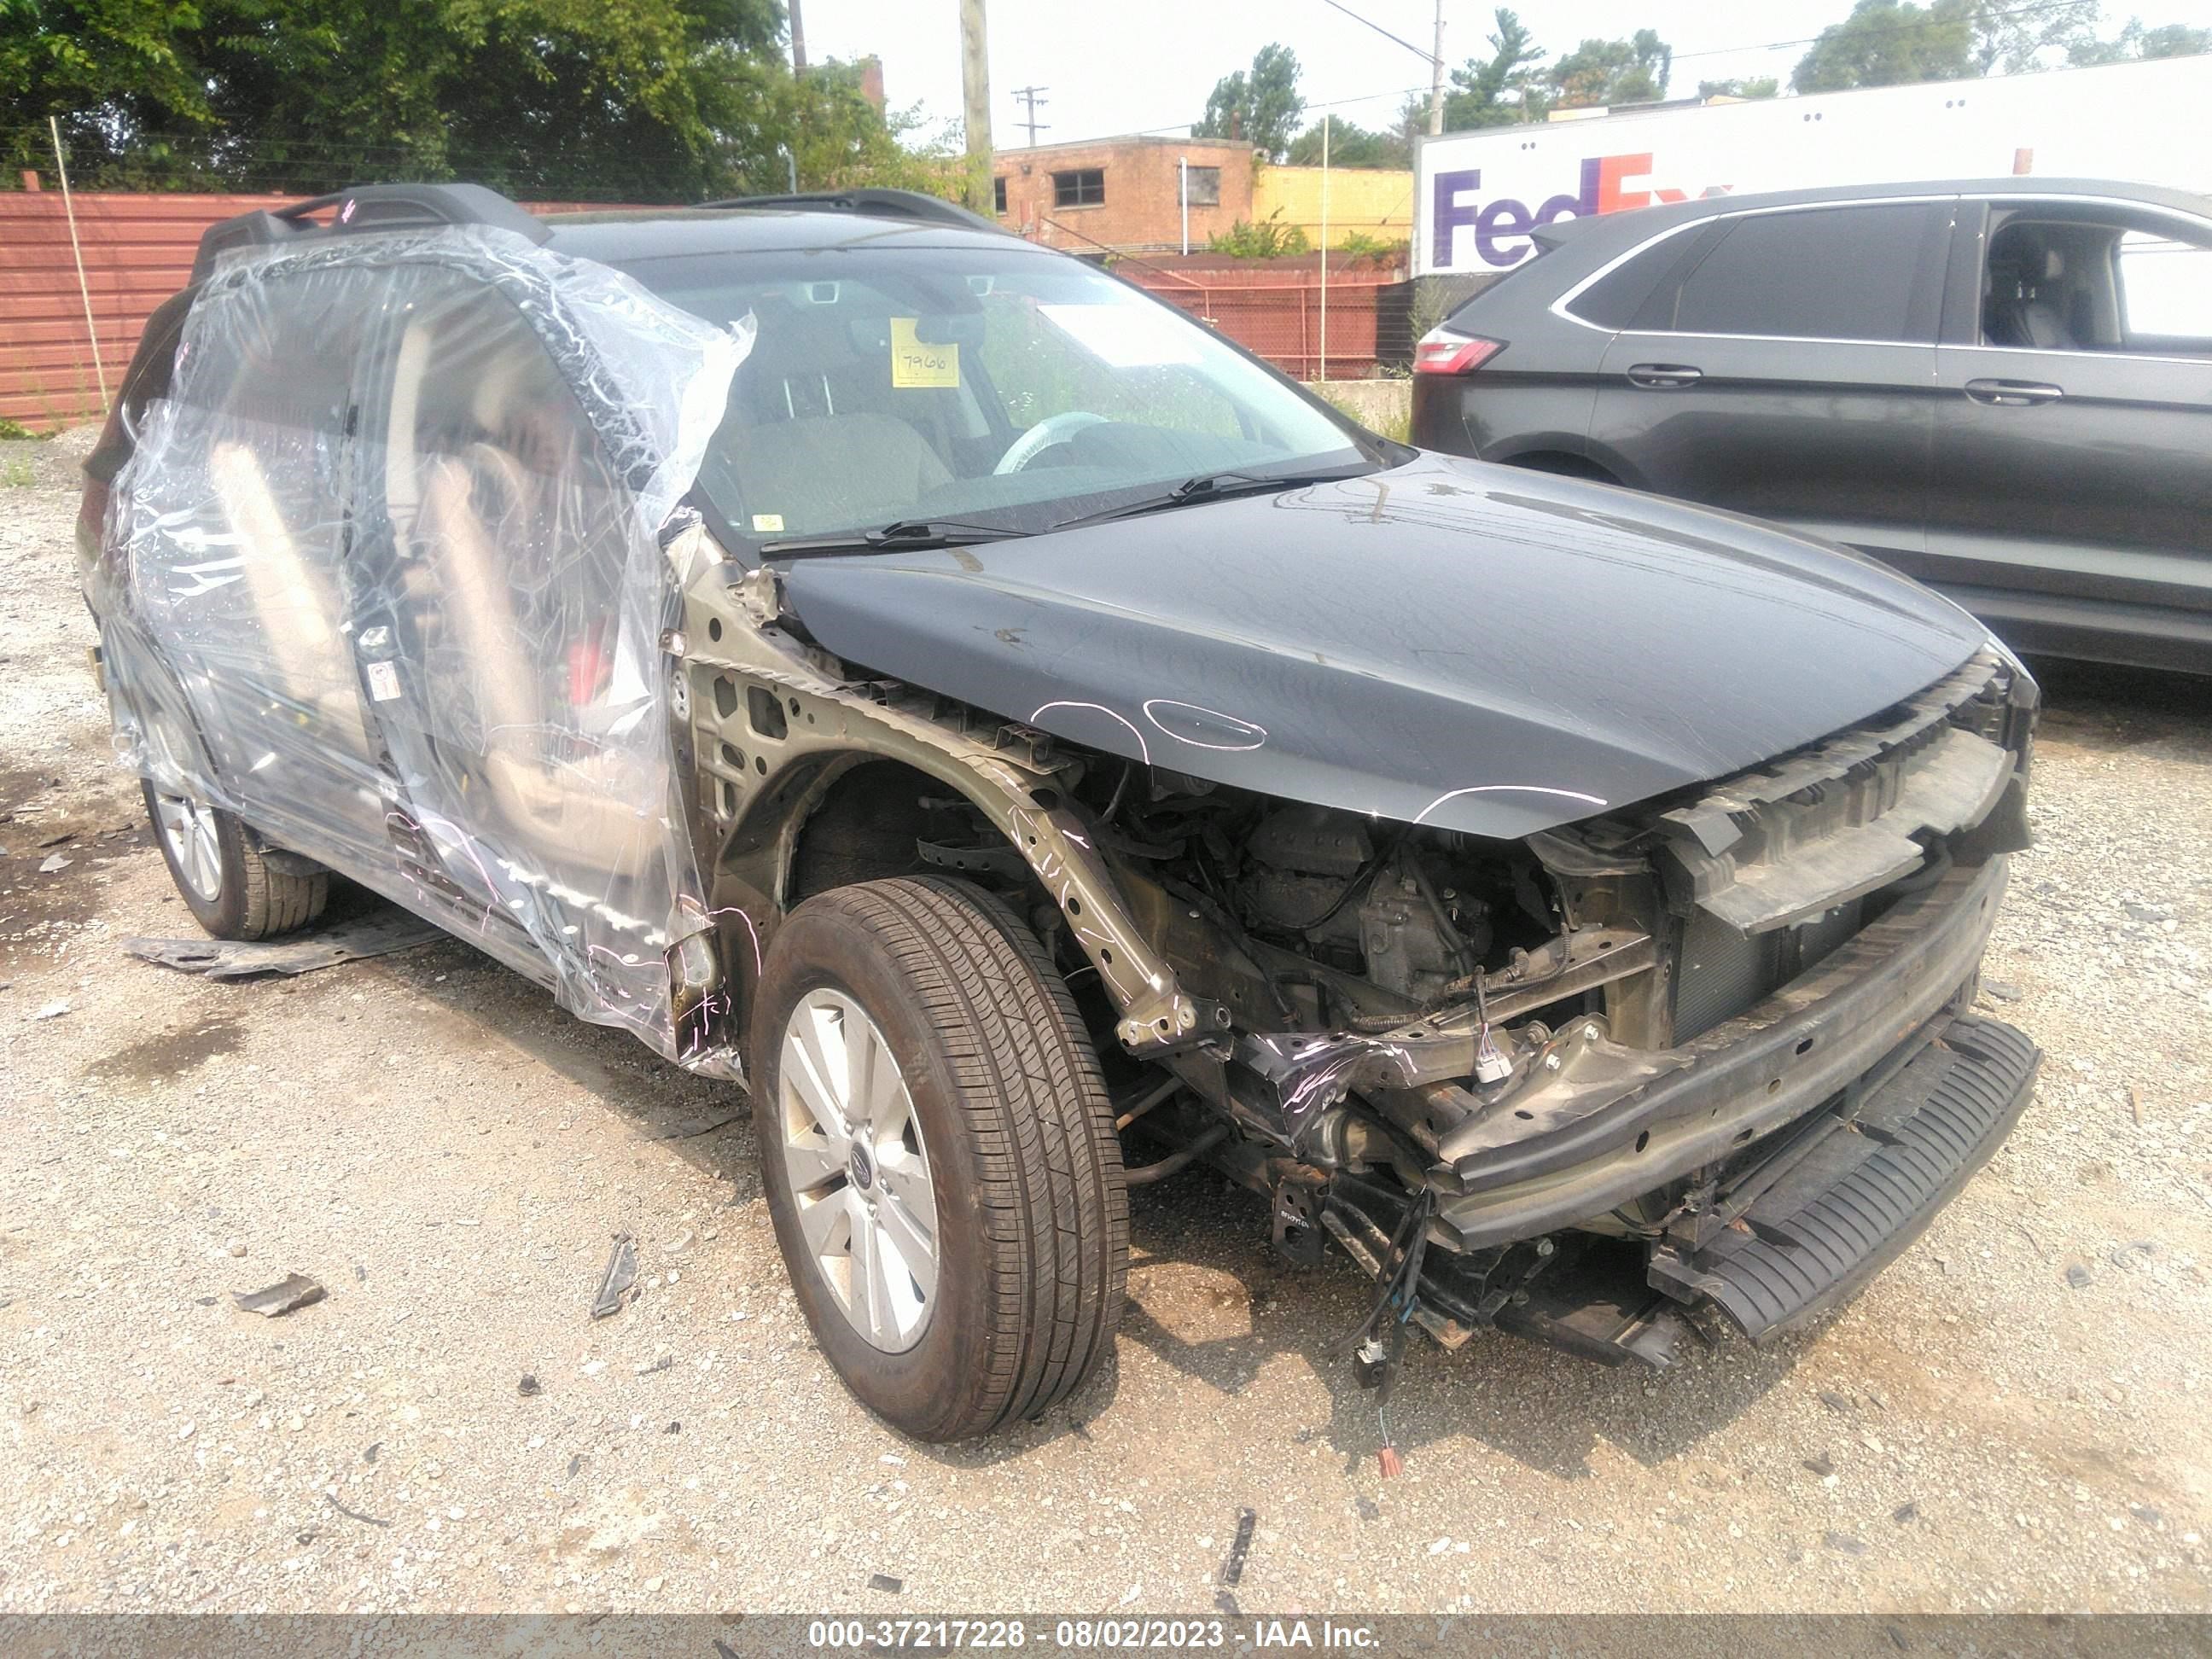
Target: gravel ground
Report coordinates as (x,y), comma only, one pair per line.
(2011,1417)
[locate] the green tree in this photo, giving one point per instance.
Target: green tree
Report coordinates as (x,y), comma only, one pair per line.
(1758,86)
(1600,73)
(123,63)
(2174,41)
(2011,39)
(1502,89)
(1887,43)
(642,99)
(1262,107)
(838,140)
(2134,41)
(1351,145)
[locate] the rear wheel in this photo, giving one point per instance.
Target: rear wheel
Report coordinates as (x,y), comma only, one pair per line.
(233,889)
(939,1155)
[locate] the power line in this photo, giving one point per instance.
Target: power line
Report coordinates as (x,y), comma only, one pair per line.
(1426,57)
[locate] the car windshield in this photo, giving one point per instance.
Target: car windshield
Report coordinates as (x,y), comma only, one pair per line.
(1003,389)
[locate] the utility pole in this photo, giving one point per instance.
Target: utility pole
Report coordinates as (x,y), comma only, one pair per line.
(798,41)
(1436,58)
(976,87)
(1029,96)
(1324,246)
(1436,69)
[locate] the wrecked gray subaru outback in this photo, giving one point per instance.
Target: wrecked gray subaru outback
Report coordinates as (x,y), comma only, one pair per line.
(1037,749)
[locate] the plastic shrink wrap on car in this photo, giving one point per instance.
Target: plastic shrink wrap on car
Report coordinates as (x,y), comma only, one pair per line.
(385,577)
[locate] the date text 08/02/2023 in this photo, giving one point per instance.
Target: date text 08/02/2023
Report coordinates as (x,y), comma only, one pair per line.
(1080,1634)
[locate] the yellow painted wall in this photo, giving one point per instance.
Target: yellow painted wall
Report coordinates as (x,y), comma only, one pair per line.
(1374,203)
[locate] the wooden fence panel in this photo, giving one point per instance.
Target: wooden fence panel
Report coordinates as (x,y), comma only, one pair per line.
(137,252)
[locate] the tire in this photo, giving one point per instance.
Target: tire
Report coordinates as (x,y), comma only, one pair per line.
(1029,1217)
(233,889)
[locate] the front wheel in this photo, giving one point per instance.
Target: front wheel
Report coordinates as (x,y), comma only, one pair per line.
(939,1156)
(234,891)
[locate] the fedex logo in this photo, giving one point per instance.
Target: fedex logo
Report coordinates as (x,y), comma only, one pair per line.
(1505,220)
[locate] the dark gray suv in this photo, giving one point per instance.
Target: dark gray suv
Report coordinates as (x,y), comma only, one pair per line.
(915,675)
(2002,387)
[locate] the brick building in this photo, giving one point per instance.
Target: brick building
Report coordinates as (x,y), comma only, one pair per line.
(1123,193)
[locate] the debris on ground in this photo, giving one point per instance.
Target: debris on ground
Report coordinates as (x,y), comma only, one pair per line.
(529,1387)
(57,862)
(354,1515)
(618,1283)
(659,1362)
(1232,1569)
(2078,1276)
(884,1580)
(379,933)
(274,1301)
(53,1011)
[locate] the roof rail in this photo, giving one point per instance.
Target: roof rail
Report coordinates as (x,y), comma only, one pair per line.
(882,204)
(368,207)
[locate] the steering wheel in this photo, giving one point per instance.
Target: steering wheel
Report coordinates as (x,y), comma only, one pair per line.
(1053,429)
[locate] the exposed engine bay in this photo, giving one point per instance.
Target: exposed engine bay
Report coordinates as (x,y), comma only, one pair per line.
(1414,1032)
(1701,1062)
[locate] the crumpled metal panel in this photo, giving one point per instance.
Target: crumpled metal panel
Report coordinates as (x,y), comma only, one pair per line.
(1789,840)
(385,576)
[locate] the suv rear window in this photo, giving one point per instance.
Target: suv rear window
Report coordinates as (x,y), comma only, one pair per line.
(1613,299)
(1841,273)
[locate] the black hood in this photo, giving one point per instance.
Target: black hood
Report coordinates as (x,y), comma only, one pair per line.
(1446,642)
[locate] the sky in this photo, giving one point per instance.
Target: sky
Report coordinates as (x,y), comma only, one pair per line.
(1120,66)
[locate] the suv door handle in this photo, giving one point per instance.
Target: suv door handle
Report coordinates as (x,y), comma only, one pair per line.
(1663,377)
(2012,394)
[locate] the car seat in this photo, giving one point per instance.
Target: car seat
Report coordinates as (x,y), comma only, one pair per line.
(520,540)
(803,444)
(2024,296)
(306,660)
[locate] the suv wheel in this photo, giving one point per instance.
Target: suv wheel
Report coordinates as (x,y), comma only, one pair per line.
(230,883)
(939,1155)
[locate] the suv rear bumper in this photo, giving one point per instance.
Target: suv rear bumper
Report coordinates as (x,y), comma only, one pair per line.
(1832,1038)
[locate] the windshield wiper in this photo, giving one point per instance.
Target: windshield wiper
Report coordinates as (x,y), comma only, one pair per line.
(900,536)
(1213,487)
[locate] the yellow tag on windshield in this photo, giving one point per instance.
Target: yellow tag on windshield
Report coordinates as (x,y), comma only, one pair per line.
(914,364)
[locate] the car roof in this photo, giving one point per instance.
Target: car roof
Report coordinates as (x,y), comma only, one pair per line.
(621,237)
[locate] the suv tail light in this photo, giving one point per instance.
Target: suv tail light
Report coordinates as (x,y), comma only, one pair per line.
(1447,352)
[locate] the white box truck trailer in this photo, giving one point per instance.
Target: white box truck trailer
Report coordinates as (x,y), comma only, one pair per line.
(1479,194)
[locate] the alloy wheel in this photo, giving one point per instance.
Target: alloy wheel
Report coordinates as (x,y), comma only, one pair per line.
(858,1172)
(188,827)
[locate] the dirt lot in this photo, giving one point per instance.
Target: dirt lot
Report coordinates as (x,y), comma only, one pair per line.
(2013,1417)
